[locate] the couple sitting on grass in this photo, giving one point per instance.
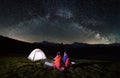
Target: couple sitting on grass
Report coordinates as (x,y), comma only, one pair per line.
(62,63)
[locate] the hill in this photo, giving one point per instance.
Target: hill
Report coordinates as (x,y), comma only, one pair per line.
(75,50)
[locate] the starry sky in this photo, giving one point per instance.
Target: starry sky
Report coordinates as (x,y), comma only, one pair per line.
(67,21)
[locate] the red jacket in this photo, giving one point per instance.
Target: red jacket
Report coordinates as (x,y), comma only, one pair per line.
(58,61)
(68,63)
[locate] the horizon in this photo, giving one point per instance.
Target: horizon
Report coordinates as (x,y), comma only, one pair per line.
(55,42)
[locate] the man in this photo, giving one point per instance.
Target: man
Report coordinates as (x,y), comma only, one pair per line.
(66,60)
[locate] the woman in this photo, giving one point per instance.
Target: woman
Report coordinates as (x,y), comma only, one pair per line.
(58,61)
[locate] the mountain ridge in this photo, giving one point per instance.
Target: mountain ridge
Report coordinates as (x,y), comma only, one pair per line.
(45,42)
(76,50)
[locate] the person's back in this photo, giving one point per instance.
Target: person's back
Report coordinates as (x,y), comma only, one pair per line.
(58,62)
(65,57)
(66,60)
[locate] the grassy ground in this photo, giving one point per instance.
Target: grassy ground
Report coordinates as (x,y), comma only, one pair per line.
(21,67)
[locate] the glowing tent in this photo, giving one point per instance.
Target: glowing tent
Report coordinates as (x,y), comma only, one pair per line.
(37,54)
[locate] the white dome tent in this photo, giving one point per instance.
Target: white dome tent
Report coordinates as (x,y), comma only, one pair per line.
(37,54)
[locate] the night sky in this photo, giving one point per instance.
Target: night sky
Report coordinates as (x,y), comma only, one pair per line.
(67,21)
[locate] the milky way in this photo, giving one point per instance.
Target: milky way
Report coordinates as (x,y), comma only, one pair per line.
(67,21)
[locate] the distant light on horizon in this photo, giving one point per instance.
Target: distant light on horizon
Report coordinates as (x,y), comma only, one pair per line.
(96,42)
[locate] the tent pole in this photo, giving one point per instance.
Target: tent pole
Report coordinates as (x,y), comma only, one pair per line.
(34,56)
